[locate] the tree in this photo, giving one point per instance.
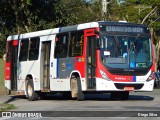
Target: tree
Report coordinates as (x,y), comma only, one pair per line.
(20,16)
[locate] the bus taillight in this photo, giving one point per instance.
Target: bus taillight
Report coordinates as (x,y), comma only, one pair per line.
(7,71)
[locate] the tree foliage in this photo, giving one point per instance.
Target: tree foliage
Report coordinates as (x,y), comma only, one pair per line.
(20,16)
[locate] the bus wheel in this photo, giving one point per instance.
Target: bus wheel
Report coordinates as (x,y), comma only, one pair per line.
(76,89)
(31,94)
(124,95)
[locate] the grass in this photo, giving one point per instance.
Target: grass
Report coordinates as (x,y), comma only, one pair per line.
(2,88)
(1,72)
(5,107)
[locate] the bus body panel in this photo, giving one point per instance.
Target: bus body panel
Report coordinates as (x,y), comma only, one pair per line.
(31,68)
(8,84)
(104,85)
(61,80)
(87,25)
(60,84)
(34,34)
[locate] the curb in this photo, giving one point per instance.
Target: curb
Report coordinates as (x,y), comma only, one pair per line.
(4,98)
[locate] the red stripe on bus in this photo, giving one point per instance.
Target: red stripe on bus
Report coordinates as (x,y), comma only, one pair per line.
(80,65)
(7,71)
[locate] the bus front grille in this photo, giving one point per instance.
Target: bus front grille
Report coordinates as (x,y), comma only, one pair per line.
(122,86)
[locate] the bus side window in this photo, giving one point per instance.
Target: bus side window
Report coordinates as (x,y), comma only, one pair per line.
(61,48)
(24,50)
(34,48)
(76,44)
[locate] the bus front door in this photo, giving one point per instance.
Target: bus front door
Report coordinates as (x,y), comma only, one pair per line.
(91,63)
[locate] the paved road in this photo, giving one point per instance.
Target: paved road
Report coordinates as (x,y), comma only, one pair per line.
(138,103)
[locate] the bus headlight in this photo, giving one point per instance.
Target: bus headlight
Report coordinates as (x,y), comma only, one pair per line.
(151,77)
(104,76)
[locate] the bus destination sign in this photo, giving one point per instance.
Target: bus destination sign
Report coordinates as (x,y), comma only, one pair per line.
(124,29)
(128,29)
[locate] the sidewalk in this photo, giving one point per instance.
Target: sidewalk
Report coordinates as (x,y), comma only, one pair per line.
(5,104)
(4,95)
(2,90)
(4,98)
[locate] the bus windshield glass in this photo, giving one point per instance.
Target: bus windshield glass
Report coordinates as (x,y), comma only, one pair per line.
(127,52)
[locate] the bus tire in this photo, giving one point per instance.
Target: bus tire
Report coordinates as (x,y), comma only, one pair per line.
(80,96)
(31,94)
(76,89)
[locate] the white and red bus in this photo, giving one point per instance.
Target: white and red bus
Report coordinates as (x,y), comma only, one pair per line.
(112,57)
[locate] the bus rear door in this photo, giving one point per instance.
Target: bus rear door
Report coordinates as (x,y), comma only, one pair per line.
(11,65)
(45,64)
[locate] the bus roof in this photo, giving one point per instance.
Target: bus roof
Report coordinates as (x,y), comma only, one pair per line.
(53,31)
(65,29)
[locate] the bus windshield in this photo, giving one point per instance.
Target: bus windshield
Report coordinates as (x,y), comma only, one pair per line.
(127,52)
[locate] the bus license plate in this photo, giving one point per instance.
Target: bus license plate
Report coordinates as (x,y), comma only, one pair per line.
(129,88)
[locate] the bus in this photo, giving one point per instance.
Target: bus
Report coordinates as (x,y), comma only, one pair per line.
(94,57)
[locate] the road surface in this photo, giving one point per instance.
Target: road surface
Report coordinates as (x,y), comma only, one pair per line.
(141,105)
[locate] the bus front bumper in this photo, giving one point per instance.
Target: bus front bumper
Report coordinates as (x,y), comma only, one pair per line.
(105,85)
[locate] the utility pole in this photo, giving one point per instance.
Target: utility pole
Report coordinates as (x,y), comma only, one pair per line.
(105,8)
(150,14)
(141,8)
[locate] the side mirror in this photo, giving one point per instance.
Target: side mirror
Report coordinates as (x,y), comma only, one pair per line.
(96,32)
